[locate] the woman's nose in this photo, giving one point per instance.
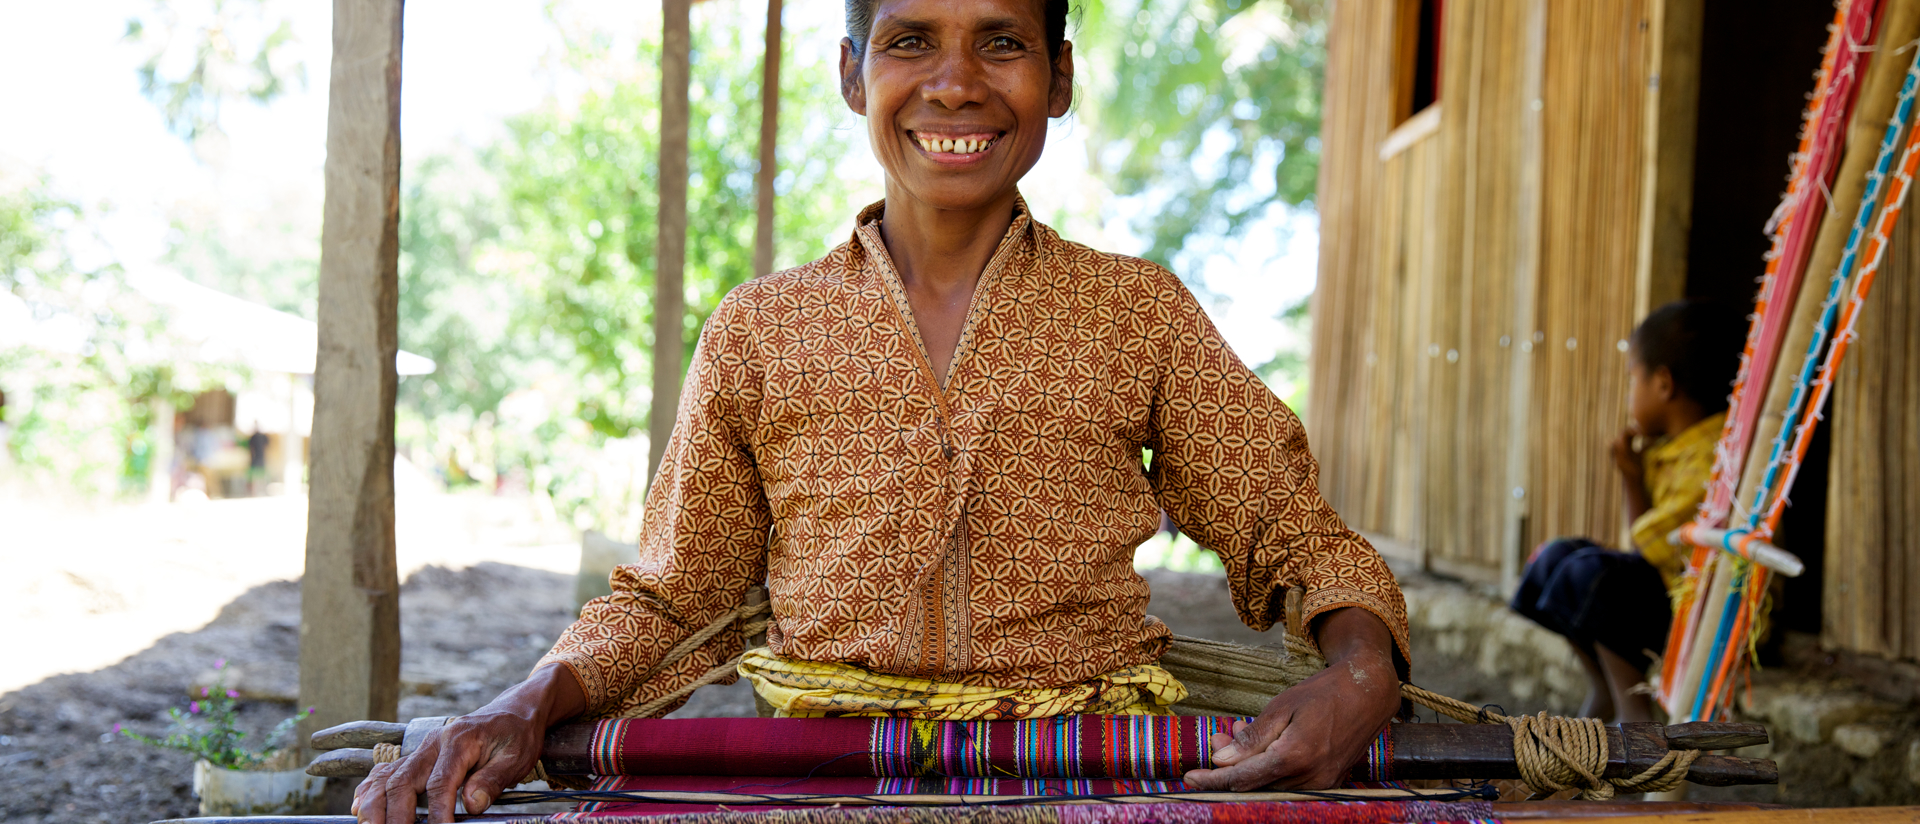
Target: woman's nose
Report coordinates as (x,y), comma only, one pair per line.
(958,80)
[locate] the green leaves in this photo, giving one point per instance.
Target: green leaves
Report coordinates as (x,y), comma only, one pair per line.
(527,267)
(579,181)
(210,729)
(203,52)
(1207,109)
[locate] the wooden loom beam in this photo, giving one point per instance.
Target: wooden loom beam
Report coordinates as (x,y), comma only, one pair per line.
(1419,751)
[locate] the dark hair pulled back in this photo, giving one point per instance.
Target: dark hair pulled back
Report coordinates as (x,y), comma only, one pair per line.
(860,25)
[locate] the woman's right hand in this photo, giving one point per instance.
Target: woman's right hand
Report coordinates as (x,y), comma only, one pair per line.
(474,757)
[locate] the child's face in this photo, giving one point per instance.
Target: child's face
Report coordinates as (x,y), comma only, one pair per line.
(1647,395)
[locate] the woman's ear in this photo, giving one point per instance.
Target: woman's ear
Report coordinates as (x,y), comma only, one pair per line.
(1060,95)
(851,89)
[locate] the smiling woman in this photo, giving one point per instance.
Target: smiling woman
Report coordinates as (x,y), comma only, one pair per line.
(928,446)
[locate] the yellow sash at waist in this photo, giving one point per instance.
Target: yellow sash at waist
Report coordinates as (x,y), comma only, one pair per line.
(813,689)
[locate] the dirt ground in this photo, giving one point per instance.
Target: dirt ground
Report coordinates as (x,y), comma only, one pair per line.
(64,764)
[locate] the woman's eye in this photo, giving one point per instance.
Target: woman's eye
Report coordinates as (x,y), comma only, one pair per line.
(910,42)
(1004,43)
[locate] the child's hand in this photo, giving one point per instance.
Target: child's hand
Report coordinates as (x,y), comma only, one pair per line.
(1627,458)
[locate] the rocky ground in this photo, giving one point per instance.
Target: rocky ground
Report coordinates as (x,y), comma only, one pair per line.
(470,632)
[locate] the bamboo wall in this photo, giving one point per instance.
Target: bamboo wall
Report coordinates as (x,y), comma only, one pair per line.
(1455,273)
(1596,83)
(1872,581)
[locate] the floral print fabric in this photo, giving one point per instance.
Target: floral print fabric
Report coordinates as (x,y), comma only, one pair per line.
(981,532)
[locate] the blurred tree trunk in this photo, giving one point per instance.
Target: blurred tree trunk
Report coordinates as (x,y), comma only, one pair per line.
(769,131)
(669,291)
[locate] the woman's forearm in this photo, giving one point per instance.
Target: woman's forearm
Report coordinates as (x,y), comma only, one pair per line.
(1355,635)
(549,696)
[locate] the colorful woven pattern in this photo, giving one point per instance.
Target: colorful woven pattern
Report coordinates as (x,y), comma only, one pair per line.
(1084,746)
(1378,762)
(1298,812)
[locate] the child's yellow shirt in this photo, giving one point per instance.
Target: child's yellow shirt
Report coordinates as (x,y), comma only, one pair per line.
(1677,471)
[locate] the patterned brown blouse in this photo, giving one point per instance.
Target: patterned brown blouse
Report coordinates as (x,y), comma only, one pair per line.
(981,533)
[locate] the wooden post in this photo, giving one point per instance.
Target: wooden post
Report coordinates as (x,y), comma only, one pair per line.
(1523,428)
(350,594)
(769,134)
(1670,131)
(669,295)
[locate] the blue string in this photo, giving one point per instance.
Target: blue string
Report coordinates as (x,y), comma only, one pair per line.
(1836,288)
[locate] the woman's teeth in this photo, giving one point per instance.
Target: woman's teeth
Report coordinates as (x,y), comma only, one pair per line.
(955,146)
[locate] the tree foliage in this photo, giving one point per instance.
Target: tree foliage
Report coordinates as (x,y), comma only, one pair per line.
(201,53)
(580,183)
(1206,110)
(73,338)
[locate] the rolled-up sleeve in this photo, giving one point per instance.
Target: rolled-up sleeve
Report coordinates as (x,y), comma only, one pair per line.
(1231,467)
(702,544)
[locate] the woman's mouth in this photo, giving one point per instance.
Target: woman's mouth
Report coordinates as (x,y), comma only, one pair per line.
(955,146)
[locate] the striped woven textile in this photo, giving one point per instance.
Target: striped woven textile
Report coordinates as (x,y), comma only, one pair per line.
(1076,746)
(1296,812)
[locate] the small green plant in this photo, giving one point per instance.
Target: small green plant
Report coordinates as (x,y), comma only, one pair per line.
(208,729)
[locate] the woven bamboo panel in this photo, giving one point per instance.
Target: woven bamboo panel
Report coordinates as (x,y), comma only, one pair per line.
(1356,118)
(1872,599)
(1593,105)
(1426,256)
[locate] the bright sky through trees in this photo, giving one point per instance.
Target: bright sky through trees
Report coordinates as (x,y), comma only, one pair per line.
(75,115)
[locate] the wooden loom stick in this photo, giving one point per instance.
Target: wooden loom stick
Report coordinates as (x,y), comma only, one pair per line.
(1800,207)
(1830,364)
(1418,751)
(1809,319)
(1862,285)
(1784,326)
(1723,655)
(1783,458)
(1749,590)
(957,799)
(1730,448)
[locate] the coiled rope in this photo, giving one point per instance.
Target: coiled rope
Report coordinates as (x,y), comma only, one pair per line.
(1557,753)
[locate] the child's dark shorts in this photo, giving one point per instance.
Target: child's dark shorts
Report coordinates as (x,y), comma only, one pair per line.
(1594,595)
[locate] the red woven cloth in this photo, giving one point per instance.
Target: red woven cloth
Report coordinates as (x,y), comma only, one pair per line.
(1083,746)
(1259,812)
(848,785)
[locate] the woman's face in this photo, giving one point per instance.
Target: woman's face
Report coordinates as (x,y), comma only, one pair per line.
(957,94)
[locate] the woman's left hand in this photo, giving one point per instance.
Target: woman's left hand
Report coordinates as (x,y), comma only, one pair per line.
(1309,736)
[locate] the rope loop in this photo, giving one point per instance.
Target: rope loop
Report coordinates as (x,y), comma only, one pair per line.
(697,640)
(386,753)
(1557,753)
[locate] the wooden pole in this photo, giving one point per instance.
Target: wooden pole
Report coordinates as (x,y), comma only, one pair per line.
(350,594)
(669,294)
(1669,133)
(769,134)
(1524,428)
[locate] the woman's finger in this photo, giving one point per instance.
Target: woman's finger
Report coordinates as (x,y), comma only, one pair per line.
(1253,738)
(402,790)
(1269,767)
(460,752)
(501,771)
(369,788)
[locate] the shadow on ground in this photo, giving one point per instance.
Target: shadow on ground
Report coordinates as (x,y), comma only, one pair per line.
(467,634)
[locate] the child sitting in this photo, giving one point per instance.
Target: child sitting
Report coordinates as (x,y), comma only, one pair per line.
(1612,605)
